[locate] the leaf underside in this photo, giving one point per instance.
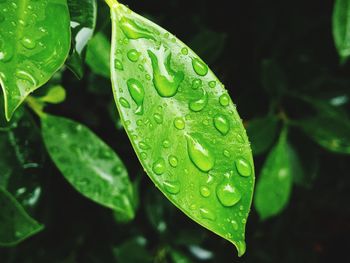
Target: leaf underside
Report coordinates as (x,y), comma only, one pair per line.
(183,125)
(33,46)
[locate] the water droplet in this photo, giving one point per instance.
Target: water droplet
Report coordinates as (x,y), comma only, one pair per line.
(207,214)
(159,166)
(198,105)
(166,144)
(28,43)
(133,30)
(212,84)
(133,55)
(244,221)
(173,160)
(165,79)
(158,118)
(196,83)
(143,156)
(243,167)
(179,123)
(221,124)
(172,187)
(124,103)
(228,194)
(199,67)
(137,93)
(227,154)
(224,100)
(205,191)
(144,146)
(184,51)
(118,64)
(234,225)
(25,80)
(199,153)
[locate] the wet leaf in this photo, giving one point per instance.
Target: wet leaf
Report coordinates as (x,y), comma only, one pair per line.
(133,250)
(262,133)
(275,180)
(33,48)
(341,28)
(15,224)
(97,55)
(182,124)
(83,15)
(89,165)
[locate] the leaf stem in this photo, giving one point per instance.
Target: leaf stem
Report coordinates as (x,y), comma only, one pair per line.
(112,3)
(36,106)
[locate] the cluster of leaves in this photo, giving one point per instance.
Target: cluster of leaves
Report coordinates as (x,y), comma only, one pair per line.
(306,122)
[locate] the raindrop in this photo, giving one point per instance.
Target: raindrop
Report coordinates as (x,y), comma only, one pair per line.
(137,93)
(124,103)
(243,167)
(205,191)
(199,153)
(166,144)
(199,67)
(172,187)
(224,100)
(221,124)
(179,123)
(133,55)
(173,160)
(198,105)
(28,43)
(158,118)
(144,146)
(227,154)
(196,83)
(118,64)
(228,194)
(159,166)
(234,225)
(184,51)
(133,30)
(212,84)
(207,214)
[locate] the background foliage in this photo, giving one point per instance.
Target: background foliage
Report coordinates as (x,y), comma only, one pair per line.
(279,62)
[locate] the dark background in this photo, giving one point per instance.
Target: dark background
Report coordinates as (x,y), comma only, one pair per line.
(234,38)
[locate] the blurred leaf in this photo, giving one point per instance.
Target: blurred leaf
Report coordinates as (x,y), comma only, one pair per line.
(275,180)
(83,15)
(89,165)
(330,132)
(178,257)
(55,95)
(208,44)
(15,224)
(273,78)
(98,54)
(341,28)
(133,250)
(153,101)
(262,133)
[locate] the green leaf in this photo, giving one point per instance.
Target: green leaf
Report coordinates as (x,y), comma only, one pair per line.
(55,95)
(183,125)
(262,133)
(275,180)
(273,78)
(341,28)
(133,250)
(88,164)
(330,132)
(15,224)
(178,257)
(97,55)
(83,14)
(33,48)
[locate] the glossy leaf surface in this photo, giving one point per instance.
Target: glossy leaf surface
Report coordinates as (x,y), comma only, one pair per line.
(88,164)
(33,46)
(275,180)
(341,28)
(15,224)
(183,125)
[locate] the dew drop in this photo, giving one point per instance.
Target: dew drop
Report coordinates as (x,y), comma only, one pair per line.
(196,83)
(118,64)
(243,167)
(172,187)
(28,43)
(124,103)
(173,160)
(228,194)
(199,67)
(212,84)
(144,146)
(198,105)
(221,124)
(133,30)
(224,100)
(165,79)
(227,154)
(207,214)
(166,144)
(234,225)
(184,51)
(159,166)
(137,93)
(133,55)
(158,118)
(205,191)
(179,123)
(199,153)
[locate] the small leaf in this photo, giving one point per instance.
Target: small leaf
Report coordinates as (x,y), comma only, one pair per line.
(178,257)
(341,28)
(133,250)
(273,78)
(275,180)
(55,95)
(262,133)
(182,124)
(88,164)
(97,55)
(83,15)
(15,224)
(33,48)
(330,132)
